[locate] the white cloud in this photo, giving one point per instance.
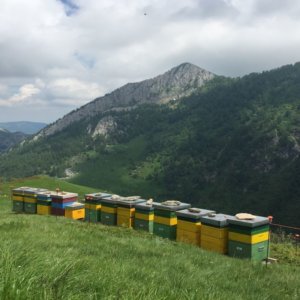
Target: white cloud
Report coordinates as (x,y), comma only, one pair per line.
(25,95)
(71,91)
(71,59)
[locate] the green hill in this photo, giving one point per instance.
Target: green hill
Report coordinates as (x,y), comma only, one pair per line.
(46,257)
(232,146)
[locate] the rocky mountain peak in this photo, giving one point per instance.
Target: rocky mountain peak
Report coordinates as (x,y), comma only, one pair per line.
(178,82)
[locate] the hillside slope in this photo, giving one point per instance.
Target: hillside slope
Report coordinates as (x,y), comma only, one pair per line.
(47,257)
(232,146)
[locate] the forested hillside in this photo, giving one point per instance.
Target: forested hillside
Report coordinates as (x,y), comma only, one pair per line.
(232,146)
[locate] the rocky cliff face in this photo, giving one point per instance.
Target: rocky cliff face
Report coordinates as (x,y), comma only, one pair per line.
(178,82)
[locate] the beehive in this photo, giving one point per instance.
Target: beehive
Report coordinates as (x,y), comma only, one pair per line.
(109,207)
(248,238)
(165,218)
(189,225)
(18,199)
(30,199)
(126,210)
(93,206)
(75,211)
(44,203)
(214,232)
(60,200)
(144,216)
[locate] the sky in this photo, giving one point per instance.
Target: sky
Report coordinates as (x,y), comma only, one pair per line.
(57,55)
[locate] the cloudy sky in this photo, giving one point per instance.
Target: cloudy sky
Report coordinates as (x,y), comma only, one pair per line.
(56,55)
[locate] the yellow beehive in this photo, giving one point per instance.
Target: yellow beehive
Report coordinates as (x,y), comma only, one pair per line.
(126,212)
(214,232)
(214,246)
(249,239)
(214,239)
(43,210)
(75,214)
(188,237)
(125,221)
(218,233)
(189,226)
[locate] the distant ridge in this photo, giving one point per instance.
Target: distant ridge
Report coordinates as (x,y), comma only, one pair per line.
(26,127)
(178,82)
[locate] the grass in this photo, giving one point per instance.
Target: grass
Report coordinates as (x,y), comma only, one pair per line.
(46,257)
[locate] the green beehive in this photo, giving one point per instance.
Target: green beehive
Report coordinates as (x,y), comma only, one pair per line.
(18,199)
(255,252)
(92,215)
(93,206)
(109,207)
(109,219)
(143,225)
(165,219)
(30,199)
(18,206)
(30,208)
(248,238)
(144,216)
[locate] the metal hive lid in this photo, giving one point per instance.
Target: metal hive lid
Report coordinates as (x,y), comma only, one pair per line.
(194,215)
(258,221)
(145,206)
(220,220)
(97,196)
(164,206)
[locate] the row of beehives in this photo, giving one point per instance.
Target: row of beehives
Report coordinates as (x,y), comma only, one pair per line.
(245,238)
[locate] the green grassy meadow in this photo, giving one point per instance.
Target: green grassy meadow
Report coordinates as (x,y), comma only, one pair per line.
(47,257)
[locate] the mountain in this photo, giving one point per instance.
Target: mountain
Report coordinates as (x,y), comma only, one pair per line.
(9,139)
(179,82)
(229,144)
(23,126)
